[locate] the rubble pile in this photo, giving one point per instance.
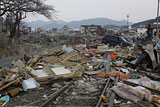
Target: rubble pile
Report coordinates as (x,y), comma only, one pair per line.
(80,75)
(47,40)
(14,51)
(38,39)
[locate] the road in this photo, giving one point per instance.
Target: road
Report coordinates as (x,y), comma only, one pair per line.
(7,62)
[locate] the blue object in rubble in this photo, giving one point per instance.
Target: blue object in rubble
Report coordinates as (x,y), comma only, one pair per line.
(5,98)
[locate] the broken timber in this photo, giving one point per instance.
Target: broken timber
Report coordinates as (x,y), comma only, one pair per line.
(5,86)
(100,99)
(151,75)
(113,93)
(123,64)
(108,64)
(108,68)
(49,101)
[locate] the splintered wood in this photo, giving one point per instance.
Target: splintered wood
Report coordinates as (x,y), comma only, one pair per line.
(73,58)
(51,60)
(14,81)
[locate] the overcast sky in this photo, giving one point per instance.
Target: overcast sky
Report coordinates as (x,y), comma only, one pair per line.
(71,10)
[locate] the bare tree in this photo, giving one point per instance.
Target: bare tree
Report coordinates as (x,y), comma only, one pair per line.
(18,9)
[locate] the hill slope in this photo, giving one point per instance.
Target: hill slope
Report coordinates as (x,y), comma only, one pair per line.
(145,23)
(76,24)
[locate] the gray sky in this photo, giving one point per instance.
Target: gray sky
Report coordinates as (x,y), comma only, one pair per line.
(71,10)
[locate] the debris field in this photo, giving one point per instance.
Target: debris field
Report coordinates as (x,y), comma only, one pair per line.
(81,75)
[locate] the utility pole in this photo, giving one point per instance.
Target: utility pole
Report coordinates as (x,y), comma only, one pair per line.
(127,21)
(157,30)
(1,40)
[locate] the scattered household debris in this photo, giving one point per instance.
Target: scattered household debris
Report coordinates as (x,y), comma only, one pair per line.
(83,75)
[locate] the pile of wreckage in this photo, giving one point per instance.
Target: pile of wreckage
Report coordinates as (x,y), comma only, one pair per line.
(46,40)
(98,75)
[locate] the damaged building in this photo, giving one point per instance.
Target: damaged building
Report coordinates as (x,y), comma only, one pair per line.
(151,30)
(93,29)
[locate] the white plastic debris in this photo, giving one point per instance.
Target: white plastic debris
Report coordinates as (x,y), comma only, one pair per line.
(119,62)
(67,49)
(60,70)
(41,73)
(124,70)
(30,84)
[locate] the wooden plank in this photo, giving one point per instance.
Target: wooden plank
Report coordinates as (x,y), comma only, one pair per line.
(55,95)
(5,86)
(69,58)
(93,72)
(14,92)
(122,64)
(150,75)
(120,56)
(71,75)
(108,67)
(66,55)
(113,93)
(104,90)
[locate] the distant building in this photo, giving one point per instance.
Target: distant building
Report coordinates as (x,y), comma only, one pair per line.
(94,29)
(141,31)
(75,31)
(152,30)
(54,29)
(41,30)
(26,30)
(132,32)
(112,31)
(65,30)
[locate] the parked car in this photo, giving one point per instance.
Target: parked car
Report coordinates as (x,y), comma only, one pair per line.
(116,40)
